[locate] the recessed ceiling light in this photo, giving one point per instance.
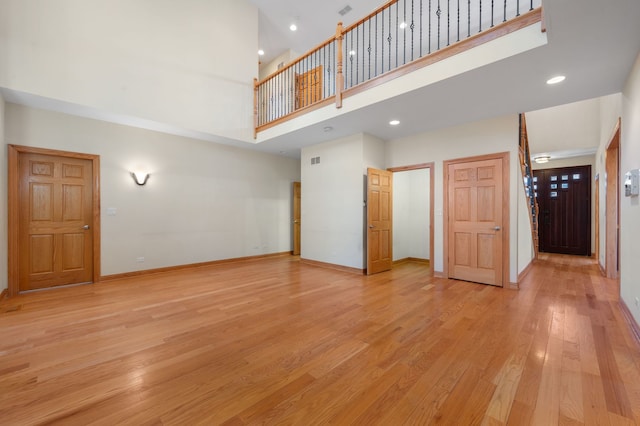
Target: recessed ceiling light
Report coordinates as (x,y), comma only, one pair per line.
(293,27)
(394,122)
(352,53)
(327,128)
(557,79)
(403,25)
(260,52)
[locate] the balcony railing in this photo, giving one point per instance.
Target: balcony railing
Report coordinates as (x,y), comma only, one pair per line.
(384,43)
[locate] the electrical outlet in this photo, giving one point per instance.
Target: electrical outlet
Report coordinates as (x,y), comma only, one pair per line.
(140,259)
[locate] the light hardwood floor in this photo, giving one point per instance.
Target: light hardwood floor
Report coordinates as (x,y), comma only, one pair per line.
(279,342)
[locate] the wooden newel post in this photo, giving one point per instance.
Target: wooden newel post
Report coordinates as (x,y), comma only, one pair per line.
(255,108)
(339,75)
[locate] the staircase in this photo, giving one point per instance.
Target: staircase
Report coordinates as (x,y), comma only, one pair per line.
(527,177)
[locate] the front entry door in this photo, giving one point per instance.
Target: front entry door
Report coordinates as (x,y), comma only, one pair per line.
(379,220)
(564,200)
(55,240)
(475,206)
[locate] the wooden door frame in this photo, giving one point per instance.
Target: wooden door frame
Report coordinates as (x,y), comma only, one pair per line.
(431,167)
(14,152)
(506,217)
(612,204)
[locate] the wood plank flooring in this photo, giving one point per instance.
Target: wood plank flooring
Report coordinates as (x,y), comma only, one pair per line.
(275,341)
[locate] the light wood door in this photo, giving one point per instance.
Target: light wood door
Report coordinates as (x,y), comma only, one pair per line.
(55,236)
(379,220)
(309,87)
(475,221)
(297,197)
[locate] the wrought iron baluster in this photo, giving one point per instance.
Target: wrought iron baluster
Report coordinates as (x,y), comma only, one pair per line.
(404,32)
(438,13)
(420,24)
(369,49)
(468,18)
(382,43)
(412,27)
(448,22)
(389,40)
(492,13)
(375,50)
(350,56)
(397,23)
(357,52)
(480,18)
(504,13)
(531,6)
(458,29)
(429,26)
(517,7)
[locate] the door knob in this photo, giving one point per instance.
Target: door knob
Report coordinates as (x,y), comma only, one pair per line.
(86,227)
(371,226)
(496,228)
(296,221)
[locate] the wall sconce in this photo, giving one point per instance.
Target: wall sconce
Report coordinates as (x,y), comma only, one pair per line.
(140,178)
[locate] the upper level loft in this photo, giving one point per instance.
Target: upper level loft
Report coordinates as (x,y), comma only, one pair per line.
(391,43)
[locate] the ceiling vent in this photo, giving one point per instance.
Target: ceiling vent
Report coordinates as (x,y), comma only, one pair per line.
(345,10)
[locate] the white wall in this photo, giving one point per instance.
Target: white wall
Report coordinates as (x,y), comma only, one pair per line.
(164,61)
(574,126)
(585,160)
(203,201)
(630,206)
(3,196)
(479,138)
(332,203)
(284,58)
(333,212)
(411,214)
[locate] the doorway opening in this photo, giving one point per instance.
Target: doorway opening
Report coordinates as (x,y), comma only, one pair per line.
(413,214)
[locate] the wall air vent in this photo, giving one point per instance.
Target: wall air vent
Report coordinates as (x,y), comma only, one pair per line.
(345,10)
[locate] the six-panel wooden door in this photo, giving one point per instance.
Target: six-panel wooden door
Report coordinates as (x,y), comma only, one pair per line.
(379,220)
(55,242)
(475,221)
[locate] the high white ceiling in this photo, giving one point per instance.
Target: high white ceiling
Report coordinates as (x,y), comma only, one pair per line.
(593,42)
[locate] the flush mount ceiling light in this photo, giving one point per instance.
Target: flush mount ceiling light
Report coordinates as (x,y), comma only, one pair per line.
(293,27)
(557,79)
(261,52)
(394,122)
(540,159)
(352,53)
(403,25)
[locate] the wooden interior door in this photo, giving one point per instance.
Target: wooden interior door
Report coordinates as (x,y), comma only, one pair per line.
(564,200)
(297,196)
(612,206)
(55,239)
(309,87)
(475,221)
(379,220)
